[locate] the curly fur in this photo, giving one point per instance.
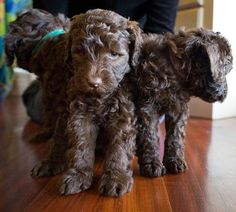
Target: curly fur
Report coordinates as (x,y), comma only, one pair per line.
(85,95)
(24,34)
(171,69)
(27,31)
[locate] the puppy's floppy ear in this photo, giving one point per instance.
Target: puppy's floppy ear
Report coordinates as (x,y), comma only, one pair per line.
(203,58)
(213,55)
(76,22)
(212,51)
(135,41)
(11,43)
(220,57)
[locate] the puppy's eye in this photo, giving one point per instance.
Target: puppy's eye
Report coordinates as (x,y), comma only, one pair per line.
(114,54)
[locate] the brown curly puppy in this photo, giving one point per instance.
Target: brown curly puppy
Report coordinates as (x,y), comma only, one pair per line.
(82,75)
(171,69)
(21,42)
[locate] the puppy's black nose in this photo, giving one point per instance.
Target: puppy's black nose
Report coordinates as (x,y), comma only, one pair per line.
(95,82)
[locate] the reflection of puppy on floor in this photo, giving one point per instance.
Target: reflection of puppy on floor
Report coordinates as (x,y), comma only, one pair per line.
(84,93)
(171,69)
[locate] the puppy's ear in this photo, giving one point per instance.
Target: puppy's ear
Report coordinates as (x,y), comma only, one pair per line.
(211,51)
(10,47)
(77,21)
(203,59)
(75,24)
(135,41)
(213,58)
(220,58)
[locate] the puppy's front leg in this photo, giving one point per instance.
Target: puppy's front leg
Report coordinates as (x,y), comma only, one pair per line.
(175,123)
(82,134)
(117,177)
(148,147)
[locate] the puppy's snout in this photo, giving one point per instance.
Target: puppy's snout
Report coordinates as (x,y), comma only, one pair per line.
(221,97)
(222,93)
(95,82)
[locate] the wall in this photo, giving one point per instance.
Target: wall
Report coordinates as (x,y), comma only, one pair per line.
(224,18)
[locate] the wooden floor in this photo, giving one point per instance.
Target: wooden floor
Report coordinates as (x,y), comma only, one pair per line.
(208,185)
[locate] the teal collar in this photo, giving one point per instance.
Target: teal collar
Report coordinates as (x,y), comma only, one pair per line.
(51,34)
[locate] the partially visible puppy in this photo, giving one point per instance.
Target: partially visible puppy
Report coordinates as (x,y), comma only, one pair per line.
(171,69)
(22,42)
(82,73)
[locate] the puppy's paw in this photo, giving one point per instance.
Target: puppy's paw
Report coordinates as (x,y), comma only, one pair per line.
(175,165)
(152,169)
(47,168)
(74,182)
(115,184)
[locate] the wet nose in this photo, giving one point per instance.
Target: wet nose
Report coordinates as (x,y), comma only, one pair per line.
(95,82)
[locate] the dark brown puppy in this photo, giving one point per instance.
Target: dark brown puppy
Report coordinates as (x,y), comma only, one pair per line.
(102,48)
(82,75)
(21,42)
(171,69)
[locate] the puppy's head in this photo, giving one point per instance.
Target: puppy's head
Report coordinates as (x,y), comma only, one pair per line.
(26,32)
(211,60)
(102,46)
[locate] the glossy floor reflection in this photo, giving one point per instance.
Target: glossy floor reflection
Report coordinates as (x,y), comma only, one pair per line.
(208,185)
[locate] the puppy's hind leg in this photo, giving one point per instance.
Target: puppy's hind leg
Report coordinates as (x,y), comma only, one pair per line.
(56,160)
(49,124)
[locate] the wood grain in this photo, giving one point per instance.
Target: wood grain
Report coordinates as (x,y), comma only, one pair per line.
(209,184)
